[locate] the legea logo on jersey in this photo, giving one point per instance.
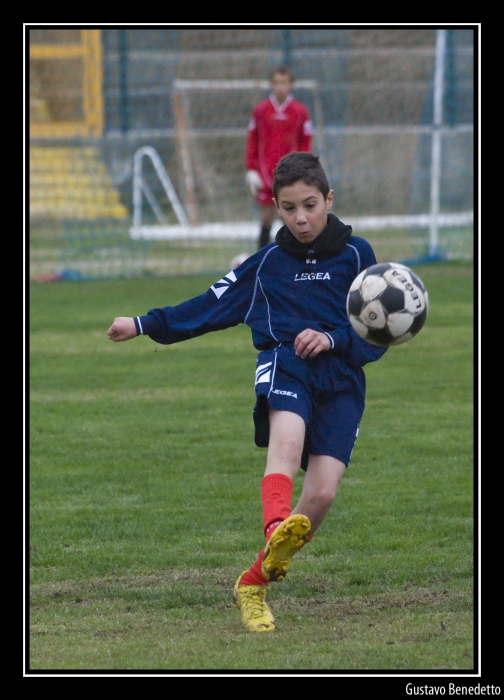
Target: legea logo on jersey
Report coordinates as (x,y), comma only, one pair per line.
(284,392)
(301,276)
(220,287)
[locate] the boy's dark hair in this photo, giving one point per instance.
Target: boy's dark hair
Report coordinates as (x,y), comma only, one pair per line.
(282,70)
(297,166)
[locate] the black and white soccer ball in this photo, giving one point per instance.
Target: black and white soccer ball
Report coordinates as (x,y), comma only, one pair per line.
(387,304)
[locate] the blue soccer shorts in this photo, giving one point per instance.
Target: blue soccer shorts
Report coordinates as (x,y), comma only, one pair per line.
(330,403)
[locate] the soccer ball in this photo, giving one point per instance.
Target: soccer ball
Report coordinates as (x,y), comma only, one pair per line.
(387,304)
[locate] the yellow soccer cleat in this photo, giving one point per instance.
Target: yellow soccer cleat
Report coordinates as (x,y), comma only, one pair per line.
(284,542)
(251,600)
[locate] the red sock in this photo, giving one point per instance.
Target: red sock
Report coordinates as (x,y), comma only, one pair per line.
(254,576)
(276,493)
(271,527)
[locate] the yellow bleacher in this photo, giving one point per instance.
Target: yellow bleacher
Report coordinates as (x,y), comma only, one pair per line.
(72,183)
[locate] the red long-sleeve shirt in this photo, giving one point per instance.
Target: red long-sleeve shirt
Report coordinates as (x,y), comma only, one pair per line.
(275,130)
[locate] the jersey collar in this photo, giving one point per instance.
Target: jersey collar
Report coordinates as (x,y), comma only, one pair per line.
(280,107)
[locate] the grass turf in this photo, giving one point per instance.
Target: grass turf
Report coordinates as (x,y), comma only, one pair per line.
(144,502)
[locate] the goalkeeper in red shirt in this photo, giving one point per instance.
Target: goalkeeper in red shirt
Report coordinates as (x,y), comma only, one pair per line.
(278,125)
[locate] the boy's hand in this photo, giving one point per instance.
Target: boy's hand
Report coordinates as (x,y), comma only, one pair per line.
(310,343)
(123,328)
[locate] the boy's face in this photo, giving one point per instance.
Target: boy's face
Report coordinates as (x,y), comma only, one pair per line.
(281,85)
(304,210)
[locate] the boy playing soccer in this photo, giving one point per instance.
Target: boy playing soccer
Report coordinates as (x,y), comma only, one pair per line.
(310,385)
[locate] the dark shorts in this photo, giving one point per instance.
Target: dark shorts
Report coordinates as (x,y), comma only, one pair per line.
(316,390)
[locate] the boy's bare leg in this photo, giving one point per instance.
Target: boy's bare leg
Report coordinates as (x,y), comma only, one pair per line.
(284,454)
(287,434)
(320,485)
(268,214)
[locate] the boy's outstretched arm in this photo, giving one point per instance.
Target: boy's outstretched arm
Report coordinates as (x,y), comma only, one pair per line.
(123,328)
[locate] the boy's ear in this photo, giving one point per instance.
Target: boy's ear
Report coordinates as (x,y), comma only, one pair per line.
(330,199)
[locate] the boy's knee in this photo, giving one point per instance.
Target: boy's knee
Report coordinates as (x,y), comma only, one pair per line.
(323,497)
(328,497)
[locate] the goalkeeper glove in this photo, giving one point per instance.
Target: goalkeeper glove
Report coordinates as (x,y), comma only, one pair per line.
(254,181)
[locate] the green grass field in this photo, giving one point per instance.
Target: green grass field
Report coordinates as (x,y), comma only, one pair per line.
(143,496)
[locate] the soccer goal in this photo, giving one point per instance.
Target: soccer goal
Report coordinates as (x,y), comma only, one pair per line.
(370,165)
